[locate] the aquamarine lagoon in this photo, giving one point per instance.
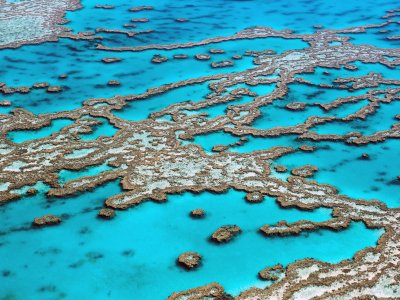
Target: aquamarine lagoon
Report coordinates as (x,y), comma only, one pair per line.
(192,150)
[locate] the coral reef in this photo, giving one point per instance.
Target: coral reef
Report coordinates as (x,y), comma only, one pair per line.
(304,171)
(151,160)
(225,233)
(197,213)
(109,60)
(272,273)
(189,260)
(254,197)
(106,213)
(210,291)
(46,221)
(33,22)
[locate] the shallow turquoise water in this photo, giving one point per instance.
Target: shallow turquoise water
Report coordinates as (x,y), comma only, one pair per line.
(92,259)
(318,76)
(103,129)
(373,37)
(118,258)
(140,109)
(220,109)
(29,65)
(382,119)
(65,175)
(21,136)
(314,94)
(372,179)
(232,16)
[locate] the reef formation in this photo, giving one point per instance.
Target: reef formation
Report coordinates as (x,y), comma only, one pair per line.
(156,157)
(27,22)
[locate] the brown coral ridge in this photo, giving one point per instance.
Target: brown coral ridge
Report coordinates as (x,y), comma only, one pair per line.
(272,273)
(54,89)
(158,59)
(306,148)
(47,220)
(280,169)
(182,20)
(210,291)
(216,51)
(254,197)
(197,213)
(259,53)
(7,90)
(41,85)
(31,191)
(251,33)
(113,83)
(305,171)
(140,8)
(189,260)
(43,25)
(219,148)
(125,32)
(181,56)
(225,233)
(109,60)
(106,213)
(104,6)
(5,103)
(202,56)
(282,228)
(64,146)
(139,20)
(222,64)
(296,106)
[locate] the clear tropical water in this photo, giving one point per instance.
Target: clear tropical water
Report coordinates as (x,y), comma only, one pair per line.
(135,253)
(119,258)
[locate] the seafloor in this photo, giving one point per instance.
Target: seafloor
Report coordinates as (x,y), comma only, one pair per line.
(199,149)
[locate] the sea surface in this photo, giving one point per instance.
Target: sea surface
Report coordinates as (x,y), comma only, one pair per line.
(134,255)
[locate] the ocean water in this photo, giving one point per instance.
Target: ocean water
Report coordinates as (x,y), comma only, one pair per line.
(46,62)
(102,129)
(118,258)
(373,36)
(372,179)
(381,120)
(141,109)
(65,175)
(232,16)
(89,258)
(319,74)
(21,136)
